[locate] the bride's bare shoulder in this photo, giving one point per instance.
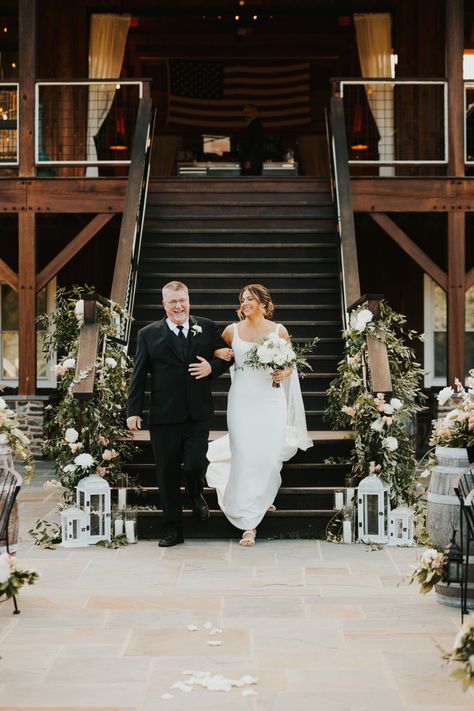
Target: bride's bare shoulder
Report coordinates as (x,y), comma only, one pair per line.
(228,332)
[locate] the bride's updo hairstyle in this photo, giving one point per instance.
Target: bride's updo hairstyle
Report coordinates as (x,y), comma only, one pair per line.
(263,297)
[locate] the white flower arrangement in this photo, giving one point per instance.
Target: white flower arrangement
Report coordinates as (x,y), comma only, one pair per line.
(71,435)
(196,329)
(463,653)
(111,362)
(430,570)
(360,318)
(12,578)
(84,460)
(275,353)
(456,428)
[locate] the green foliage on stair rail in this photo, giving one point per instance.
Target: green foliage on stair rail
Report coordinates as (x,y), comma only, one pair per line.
(379,421)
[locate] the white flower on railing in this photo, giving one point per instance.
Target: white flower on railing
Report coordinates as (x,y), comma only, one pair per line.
(396,403)
(71,435)
(377,425)
(79,310)
(360,319)
(111,362)
(388,409)
(69,363)
(84,460)
(390,443)
(69,468)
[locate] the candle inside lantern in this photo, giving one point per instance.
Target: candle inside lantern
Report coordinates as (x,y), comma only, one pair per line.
(122,498)
(118,527)
(347,531)
(339,499)
(130,531)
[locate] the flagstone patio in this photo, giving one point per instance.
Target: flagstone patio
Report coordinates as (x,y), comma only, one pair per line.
(322,626)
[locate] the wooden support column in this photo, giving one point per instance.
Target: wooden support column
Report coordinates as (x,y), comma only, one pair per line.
(456,220)
(27,303)
(26,219)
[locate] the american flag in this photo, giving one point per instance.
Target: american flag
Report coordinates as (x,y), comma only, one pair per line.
(211,95)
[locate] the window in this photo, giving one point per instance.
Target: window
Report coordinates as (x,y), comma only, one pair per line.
(435,333)
(9,336)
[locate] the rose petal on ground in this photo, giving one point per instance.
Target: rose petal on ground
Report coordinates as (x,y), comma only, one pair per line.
(214,643)
(249,692)
(192,628)
(167,696)
(208,625)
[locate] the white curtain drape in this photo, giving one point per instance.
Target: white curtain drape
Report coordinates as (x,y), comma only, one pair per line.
(108,37)
(374,45)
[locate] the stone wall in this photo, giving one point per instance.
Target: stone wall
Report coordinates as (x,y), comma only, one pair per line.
(30,413)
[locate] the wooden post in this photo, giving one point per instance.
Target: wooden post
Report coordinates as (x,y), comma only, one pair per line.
(26,220)
(27,303)
(456,220)
(27,78)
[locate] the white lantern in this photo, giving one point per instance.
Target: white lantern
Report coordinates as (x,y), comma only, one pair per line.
(93,496)
(401,527)
(373,505)
(74,527)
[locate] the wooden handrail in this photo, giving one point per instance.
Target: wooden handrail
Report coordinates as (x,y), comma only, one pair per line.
(349,263)
(87,352)
(132,219)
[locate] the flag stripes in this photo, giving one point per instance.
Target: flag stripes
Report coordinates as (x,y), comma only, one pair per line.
(211,95)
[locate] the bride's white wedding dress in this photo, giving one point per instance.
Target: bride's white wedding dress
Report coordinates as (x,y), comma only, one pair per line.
(266,427)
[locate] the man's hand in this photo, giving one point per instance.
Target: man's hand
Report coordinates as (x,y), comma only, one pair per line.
(134,423)
(201,369)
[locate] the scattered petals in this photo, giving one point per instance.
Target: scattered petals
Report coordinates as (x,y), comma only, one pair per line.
(215,630)
(208,625)
(249,692)
(214,642)
(167,696)
(181,686)
(191,628)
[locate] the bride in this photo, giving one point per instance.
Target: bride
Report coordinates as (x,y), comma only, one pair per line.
(266,424)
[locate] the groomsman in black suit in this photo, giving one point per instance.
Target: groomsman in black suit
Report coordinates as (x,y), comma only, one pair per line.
(252,143)
(178,353)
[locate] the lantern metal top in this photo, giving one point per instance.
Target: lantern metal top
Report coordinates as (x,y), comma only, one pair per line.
(373,484)
(93,484)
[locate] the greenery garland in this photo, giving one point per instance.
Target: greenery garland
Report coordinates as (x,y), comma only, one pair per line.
(86,436)
(378,421)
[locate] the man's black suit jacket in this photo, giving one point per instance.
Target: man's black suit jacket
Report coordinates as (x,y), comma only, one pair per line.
(175,395)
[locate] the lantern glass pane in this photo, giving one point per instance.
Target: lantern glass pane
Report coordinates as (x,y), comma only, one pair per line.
(74,529)
(97,511)
(372,508)
(398,528)
(81,499)
(95,524)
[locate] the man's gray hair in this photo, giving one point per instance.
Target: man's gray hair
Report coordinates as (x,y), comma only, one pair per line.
(174,286)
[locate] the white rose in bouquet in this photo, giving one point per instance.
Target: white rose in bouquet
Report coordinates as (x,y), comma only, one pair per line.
(275,353)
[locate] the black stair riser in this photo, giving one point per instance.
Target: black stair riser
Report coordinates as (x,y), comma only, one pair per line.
(155,237)
(152,295)
(236,281)
(327,312)
(235,252)
(253,211)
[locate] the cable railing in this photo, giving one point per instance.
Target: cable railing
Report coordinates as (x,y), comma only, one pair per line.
(395,122)
(9,123)
(86,122)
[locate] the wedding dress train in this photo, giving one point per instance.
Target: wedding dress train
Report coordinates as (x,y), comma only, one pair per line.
(266,427)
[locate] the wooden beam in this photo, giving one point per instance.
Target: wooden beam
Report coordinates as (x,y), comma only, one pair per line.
(75,195)
(469,279)
(27,303)
(412,249)
(8,276)
(87,352)
(27,78)
(413,194)
(71,249)
(380,378)
(455,296)
(454,73)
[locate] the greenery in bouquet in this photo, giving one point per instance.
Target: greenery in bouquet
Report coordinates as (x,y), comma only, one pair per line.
(456,427)
(378,422)
(431,569)
(11,578)
(272,352)
(463,653)
(86,436)
(11,433)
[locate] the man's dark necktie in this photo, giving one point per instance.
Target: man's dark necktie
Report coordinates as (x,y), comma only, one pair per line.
(182,340)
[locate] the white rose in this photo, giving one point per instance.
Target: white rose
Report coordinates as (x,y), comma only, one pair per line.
(264,355)
(111,362)
(444,395)
(69,468)
(79,310)
(71,435)
(84,460)
(5,569)
(452,416)
(3,404)
(69,363)
(279,359)
(361,319)
(390,443)
(377,425)
(396,403)
(388,409)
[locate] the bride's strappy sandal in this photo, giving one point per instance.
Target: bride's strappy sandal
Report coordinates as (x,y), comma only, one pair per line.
(248,538)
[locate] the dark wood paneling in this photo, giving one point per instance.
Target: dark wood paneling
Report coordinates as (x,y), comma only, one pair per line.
(27,303)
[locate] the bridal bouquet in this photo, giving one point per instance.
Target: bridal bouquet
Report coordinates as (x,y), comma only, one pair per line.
(275,353)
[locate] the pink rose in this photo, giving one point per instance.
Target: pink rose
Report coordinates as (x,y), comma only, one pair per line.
(103,440)
(102,471)
(109,454)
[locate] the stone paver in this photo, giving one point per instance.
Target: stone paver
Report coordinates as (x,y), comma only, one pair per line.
(323,627)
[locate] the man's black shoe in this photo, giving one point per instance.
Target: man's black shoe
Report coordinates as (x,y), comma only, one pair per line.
(200,507)
(172,539)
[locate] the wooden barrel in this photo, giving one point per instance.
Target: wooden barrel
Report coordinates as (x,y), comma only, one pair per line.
(442,508)
(450,595)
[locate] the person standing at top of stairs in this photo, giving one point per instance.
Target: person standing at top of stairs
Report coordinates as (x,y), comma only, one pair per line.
(251,149)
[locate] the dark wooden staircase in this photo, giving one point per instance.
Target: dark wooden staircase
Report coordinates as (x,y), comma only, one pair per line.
(217,235)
